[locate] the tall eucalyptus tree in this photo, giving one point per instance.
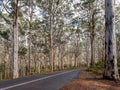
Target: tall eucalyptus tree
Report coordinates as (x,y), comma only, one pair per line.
(90,18)
(111,70)
(15,71)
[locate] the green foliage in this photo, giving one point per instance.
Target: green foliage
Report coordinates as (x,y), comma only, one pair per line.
(33,71)
(2,66)
(5,34)
(98,68)
(65,66)
(22,51)
(6,18)
(86,3)
(99,64)
(22,32)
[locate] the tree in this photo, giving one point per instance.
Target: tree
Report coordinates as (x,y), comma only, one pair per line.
(15,73)
(51,3)
(29,33)
(111,70)
(90,21)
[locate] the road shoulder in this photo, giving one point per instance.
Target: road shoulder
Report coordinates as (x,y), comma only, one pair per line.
(90,81)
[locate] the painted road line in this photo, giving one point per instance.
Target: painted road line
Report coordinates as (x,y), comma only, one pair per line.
(13,86)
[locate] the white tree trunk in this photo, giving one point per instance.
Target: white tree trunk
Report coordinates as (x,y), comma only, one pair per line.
(51,43)
(15,40)
(111,70)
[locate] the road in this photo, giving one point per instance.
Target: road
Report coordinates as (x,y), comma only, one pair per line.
(51,81)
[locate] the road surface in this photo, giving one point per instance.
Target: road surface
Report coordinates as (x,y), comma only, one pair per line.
(51,81)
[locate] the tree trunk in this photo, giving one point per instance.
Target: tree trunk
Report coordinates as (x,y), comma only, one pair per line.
(87,52)
(92,30)
(76,53)
(51,42)
(29,33)
(92,50)
(111,70)
(15,40)
(59,57)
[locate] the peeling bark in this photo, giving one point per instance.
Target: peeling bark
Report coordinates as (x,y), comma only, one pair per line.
(15,73)
(111,70)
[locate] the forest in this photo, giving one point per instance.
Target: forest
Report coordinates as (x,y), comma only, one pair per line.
(41,36)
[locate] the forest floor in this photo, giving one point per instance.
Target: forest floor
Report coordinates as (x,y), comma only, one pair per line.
(91,80)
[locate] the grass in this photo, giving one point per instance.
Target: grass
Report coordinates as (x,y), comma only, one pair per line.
(98,68)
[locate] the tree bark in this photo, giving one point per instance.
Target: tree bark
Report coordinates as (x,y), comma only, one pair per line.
(87,51)
(111,70)
(51,42)
(92,49)
(92,30)
(29,40)
(15,73)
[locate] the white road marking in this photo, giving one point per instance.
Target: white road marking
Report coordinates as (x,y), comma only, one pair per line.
(13,86)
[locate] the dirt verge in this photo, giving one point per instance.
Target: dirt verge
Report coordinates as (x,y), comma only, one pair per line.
(90,81)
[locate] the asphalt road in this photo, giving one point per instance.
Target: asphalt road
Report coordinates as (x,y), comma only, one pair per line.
(51,81)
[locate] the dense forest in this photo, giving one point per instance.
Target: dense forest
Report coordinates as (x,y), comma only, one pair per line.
(39,36)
